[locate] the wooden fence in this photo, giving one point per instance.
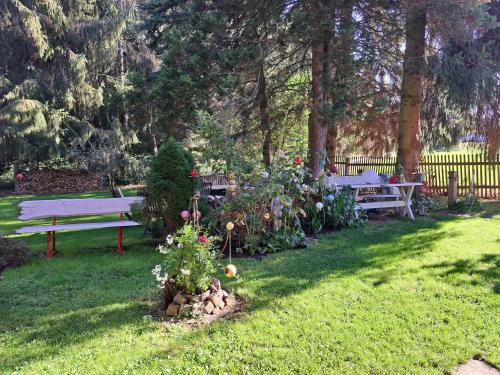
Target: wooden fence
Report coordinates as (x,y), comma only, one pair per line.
(486,172)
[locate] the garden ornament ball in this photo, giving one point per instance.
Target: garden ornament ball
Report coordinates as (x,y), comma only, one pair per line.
(229,226)
(230,270)
(185,215)
(19,177)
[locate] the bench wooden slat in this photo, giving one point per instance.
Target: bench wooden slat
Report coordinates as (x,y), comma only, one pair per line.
(81,226)
(383,204)
(378,196)
(75,207)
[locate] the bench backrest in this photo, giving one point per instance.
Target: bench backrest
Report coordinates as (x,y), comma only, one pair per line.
(368,177)
(75,207)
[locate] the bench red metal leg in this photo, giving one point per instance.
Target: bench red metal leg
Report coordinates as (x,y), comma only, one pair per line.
(54,251)
(120,248)
(47,246)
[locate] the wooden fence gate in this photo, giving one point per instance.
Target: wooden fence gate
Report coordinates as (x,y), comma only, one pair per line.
(436,166)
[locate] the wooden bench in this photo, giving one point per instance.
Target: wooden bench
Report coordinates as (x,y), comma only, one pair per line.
(54,209)
(399,195)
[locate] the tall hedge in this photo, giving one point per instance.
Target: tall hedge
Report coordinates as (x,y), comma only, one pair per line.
(170,181)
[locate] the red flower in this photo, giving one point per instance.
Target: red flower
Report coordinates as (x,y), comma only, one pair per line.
(194,173)
(203,239)
(393,179)
(297,160)
(333,169)
(19,177)
(425,188)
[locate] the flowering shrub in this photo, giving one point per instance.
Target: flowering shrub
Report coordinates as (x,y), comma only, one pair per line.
(190,260)
(280,205)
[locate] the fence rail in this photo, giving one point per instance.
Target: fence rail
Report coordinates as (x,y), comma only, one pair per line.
(486,172)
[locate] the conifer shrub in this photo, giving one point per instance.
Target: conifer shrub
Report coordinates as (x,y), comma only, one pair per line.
(170,182)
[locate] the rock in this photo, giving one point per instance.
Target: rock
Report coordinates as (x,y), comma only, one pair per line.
(209,307)
(216,298)
(205,295)
(180,298)
(172,309)
(215,284)
(225,294)
(222,305)
(193,299)
(185,309)
(230,301)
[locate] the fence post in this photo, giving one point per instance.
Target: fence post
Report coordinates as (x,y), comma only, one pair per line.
(452,188)
(346,166)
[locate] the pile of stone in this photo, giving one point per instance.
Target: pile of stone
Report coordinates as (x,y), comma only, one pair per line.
(212,301)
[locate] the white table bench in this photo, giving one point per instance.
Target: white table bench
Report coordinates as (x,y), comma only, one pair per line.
(399,196)
(54,209)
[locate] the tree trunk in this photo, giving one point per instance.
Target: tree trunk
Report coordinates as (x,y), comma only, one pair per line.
(121,63)
(317,132)
(321,78)
(409,132)
(265,127)
(343,69)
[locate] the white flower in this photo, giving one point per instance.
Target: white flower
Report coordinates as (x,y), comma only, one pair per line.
(185,271)
(281,154)
(265,174)
(156,270)
(170,239)
(162,249)
(179,245)
(319,206)
(305,188)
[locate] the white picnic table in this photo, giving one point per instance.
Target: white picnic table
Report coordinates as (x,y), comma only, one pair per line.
(40,209)
(399,195)
(405,193)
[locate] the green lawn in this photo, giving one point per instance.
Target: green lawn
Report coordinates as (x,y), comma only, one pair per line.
(389,298)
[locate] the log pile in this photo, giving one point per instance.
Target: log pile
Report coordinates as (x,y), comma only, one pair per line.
(49,181)
(211,302)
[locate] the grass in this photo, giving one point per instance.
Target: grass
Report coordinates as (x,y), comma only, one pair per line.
(389,298)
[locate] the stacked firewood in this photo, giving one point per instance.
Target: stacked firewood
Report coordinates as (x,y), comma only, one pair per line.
(57,182)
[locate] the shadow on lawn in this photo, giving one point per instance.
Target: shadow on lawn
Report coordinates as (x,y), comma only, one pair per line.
(371,253)
(368,251)
(485,270)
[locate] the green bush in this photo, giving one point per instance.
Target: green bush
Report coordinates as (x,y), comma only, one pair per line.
(13,253)
(470,204)
(190,260)
(170,182)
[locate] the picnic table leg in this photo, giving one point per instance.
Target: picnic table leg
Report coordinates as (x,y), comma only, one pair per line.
(120,248)
(406,196)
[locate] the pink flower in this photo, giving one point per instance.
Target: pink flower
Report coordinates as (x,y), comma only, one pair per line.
(185,215)
(203,239)
(194,173)
(333,169)
(19,177)
(393,179)
(196,215)
(297,160)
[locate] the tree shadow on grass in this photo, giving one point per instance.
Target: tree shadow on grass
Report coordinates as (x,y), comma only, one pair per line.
(53,334)
(482,271)
(104,291)
(371,252)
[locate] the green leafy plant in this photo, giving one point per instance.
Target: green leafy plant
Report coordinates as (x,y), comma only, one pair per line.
(341,210)
(423,205)
(170,181)
(13,253)
(470,204)
(190,260)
